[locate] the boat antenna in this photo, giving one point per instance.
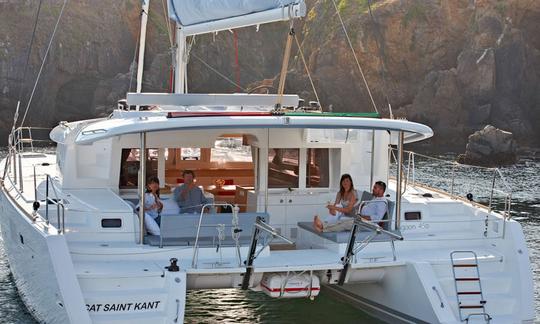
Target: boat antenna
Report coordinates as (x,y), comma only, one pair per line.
(354,55)
(44,60)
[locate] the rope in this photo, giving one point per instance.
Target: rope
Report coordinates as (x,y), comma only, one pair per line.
(171,43)
(237,64)
(355,57)
(44,60)
(168,23)
(27,61)
(307,69)
(218,73)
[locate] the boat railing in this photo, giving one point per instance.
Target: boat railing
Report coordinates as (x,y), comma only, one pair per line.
(23,138)
(235,222)
(60,207)
(489,189)
(354,247)
(260,227)
(19,141)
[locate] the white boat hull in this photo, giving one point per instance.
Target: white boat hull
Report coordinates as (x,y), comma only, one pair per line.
(41,267)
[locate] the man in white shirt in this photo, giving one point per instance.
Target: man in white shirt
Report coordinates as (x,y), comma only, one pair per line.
(373,210)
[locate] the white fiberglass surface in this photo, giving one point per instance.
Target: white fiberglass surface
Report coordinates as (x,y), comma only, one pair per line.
(153,122)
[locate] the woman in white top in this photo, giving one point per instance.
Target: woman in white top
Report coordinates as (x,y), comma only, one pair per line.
(152,206)
(341,213)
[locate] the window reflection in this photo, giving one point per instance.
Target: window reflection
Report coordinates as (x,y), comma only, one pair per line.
(129,167)
(230,149)
(317,170)
(283,168)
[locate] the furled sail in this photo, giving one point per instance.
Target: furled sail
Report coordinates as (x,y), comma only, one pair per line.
(200,16)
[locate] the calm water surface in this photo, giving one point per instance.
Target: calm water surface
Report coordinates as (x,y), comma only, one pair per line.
(235,306)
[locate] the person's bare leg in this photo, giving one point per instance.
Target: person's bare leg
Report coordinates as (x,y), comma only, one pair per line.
(317,224)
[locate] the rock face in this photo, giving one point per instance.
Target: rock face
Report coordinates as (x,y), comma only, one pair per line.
(456,65)
(490,147)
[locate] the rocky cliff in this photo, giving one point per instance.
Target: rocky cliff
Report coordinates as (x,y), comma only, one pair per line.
(456,65)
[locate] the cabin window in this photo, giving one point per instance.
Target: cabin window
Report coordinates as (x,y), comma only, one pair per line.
(230,149)
(190,153)
(129,167)
(283,166)
(111,222)
(317,169)
(413,216)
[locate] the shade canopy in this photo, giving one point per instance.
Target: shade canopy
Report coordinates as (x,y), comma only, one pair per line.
(191,12)
(122,123)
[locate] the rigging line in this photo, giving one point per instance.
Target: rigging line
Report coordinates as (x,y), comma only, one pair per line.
(307,69)
(236,62)
(132,65)
(16,114)
(30,50)
(44,60)
(355,57)
(381,56)
(168,22)
(217,72)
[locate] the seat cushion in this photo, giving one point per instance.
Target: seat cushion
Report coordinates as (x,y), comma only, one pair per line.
(338,237)
(343,237)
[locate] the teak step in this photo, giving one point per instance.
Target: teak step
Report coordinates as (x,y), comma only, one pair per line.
(470,306)
(467,279)
(469,293)
(465,265)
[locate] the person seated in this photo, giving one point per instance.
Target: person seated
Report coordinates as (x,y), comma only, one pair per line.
(375,209)
(152,206)
(189,196)
(341,213)
(372,210)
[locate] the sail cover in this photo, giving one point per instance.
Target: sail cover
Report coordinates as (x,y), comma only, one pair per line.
(192,12)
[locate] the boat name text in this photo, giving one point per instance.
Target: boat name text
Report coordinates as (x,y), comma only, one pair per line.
(122,307)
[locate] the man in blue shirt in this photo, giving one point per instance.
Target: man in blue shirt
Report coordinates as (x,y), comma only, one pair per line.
(189,196)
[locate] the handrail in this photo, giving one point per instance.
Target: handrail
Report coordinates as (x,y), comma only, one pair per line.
(351,250)
(19,141)
(438,295)
(56,201)
(375,227)
(260,225)
(507,192)
(195,257)
(263,226)
(60,210)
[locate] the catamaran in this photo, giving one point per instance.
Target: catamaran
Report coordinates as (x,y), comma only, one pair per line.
(79,251)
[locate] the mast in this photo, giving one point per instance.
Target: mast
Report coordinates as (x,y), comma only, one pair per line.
(180,69)
(142,44)
(198,21)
